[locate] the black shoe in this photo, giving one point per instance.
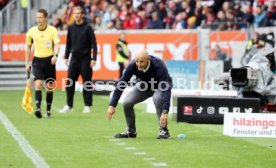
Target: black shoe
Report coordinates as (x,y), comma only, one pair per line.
(48,114)
(164,134)
(126,134)
(38,114)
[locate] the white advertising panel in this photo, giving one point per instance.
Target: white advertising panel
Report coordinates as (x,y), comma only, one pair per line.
(250,125)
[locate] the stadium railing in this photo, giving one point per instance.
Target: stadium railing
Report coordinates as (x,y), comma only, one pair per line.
(17,19)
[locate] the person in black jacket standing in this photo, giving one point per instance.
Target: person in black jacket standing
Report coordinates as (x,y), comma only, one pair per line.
(81,43)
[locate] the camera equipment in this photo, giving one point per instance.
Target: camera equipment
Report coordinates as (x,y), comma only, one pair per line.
(256,78)
(245,76)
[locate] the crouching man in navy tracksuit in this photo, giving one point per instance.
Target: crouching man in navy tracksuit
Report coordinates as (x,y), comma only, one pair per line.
(154,81)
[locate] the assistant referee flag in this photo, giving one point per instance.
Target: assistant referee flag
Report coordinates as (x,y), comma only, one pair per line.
(27,102)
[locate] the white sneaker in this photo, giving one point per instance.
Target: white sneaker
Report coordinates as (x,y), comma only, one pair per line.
(65,109)
(87,109)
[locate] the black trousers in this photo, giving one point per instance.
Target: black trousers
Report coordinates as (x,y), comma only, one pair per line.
(80,66)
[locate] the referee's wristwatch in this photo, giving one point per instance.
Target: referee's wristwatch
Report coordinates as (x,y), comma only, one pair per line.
(56,55)
(165,111)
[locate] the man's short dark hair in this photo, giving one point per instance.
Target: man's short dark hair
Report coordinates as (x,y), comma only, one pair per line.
(44,12)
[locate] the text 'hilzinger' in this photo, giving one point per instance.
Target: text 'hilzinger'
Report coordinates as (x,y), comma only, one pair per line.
(254,122)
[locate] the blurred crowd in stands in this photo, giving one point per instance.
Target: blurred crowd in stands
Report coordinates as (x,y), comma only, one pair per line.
(3,3)
(171,14)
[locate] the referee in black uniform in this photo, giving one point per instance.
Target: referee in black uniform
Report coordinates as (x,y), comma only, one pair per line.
(45,41)
(81,43)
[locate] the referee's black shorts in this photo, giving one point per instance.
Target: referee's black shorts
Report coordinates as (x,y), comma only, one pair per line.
(43,69)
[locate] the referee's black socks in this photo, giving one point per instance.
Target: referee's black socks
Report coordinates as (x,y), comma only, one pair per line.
(49,100)
(38,97)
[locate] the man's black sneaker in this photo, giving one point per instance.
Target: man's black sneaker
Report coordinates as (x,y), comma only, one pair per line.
(38,114)
(126,134)
(164,134)
(48,114)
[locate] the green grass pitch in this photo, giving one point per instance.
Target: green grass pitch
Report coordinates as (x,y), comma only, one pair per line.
(78,140)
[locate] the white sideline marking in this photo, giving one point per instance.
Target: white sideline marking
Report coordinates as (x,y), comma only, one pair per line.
(120,143)
(140,153)
(114,140)
(150,158)
(160,164)
(130,148)
(23,143)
